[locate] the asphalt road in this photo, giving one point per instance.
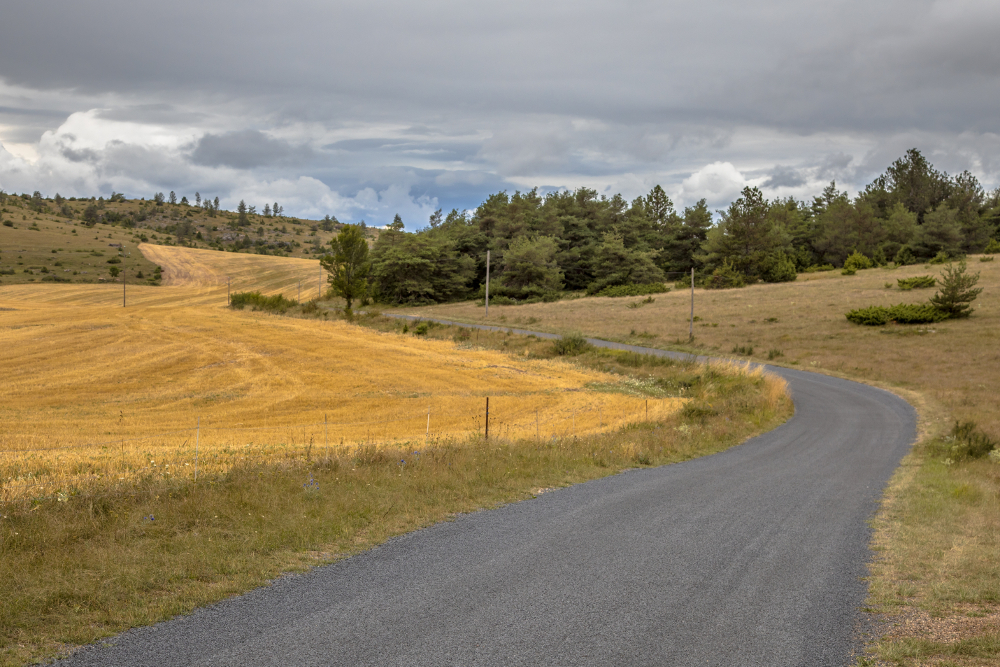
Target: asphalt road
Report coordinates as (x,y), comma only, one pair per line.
(754,556)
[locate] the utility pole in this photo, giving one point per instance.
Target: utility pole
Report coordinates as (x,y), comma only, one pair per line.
(691,328)
(487,287)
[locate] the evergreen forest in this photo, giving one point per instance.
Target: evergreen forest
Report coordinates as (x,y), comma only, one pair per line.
(542,246)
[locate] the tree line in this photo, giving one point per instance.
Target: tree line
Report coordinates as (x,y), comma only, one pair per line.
(542,245)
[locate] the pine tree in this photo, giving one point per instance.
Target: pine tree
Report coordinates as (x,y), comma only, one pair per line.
(958,290)
(173,197)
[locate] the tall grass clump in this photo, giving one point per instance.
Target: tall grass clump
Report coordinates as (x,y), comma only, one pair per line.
(257,301)
(570,345)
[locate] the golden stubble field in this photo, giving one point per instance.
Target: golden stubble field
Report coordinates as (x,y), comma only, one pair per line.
(93,391)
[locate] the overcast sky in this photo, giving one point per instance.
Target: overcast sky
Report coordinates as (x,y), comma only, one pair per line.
(368,109)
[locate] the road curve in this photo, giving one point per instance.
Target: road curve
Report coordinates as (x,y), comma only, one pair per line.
(753,556)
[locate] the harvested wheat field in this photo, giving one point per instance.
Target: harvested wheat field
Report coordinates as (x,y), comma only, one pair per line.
(94,392)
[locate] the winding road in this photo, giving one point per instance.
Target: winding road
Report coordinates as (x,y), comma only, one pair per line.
(754,556)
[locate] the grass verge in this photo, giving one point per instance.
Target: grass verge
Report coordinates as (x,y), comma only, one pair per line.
(90,564)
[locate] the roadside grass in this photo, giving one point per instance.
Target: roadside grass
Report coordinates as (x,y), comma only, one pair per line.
(937,552)
(104,560)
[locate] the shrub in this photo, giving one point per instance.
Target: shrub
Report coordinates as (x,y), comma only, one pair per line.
(725,277)
(778,268)
(857,262)
(257,301)
(958,290)
(421,329)
(743,349)
(53,278)
(819,267)
(939,258)
(992,247)
(571,345)
(970,442)
(634,290)
(903,313)
(986,259)
(8,223)
(905,256)
(916,282)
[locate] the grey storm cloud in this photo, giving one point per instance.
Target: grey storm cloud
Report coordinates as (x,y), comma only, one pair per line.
(505,94)
(784,177)
(246,149)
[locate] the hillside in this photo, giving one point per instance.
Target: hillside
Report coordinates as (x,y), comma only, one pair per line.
(71,240)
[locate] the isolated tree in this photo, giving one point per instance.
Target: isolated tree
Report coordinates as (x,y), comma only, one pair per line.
(958,290)
(277,210)
(184,200)
(197,199)
(173,197)
(348,265)
(397,222)
(114,271)
(158,198)
(328,222)
(267,210)
(241,210)
(435,220)
(90,215)
(216,204)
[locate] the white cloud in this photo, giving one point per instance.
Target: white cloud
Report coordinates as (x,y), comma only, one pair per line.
(719,183)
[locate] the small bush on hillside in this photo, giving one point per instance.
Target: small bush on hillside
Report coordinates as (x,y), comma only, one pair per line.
(988,258)
(778,268)
(992,248)
(916,282)
(571,345)
(905,256)
(634,290)
(857,262)
(903,313)
(939,258)
(819,267)
(958,290)
(257,301)
(421,329)
(725,277)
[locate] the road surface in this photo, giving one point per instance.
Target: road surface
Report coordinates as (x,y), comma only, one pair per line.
(754,556)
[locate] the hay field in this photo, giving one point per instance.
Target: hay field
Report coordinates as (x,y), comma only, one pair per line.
(96,392)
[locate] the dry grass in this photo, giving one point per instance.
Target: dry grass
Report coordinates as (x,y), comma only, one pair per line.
(940,527)
(953,363)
